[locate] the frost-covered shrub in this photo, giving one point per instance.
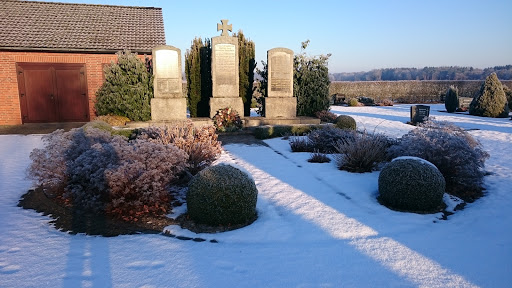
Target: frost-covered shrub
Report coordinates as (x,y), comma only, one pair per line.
(317,157)
(411,184)
(93,171)
(139,184)
(345,122)
(222,195)
(326,116)
(324,140)
(300,144)
(451,100)
(200,143)
(458,156)
(227,119)
(491,100)
(362,152)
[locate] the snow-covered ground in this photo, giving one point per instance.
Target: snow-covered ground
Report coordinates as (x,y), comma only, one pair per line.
(317,227)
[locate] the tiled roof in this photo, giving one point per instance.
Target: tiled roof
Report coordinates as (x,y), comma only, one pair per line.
(26,25)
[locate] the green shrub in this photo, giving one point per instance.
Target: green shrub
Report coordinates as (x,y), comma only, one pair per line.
(127,90)
(411,184)
(113,120)
(491,100)
(508,94)
(267,132)
(451,100)
(345,122)
(353,102)
(102,125)
(227,120)
(222,195)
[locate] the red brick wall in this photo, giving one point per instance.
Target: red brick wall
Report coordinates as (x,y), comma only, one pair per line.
(9,97)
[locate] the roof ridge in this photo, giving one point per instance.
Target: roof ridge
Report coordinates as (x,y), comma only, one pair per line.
(84,4)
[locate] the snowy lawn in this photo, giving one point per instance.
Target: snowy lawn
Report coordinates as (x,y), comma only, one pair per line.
(317,227)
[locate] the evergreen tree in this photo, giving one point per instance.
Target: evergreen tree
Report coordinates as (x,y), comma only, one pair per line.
(198,75)
(491,100)
(128,88)
(311,82)
(246,63)
(451,100)
(262,88)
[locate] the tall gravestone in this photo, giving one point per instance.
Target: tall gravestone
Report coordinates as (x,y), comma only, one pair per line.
(225,77)
(168,103)
(280,102)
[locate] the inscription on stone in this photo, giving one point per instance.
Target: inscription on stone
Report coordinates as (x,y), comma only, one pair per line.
(280,73)
(225,64)
(419,113)
(168,76)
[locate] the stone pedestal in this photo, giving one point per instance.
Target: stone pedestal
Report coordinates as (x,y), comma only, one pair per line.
(165,109)
(283,107)
(168,102)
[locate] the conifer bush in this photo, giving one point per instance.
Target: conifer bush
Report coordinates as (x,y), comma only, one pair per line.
(458,156)
(222,195)
(411,184)
(451,100)
(508,95)
(491,100)
(200,143)
(127,90)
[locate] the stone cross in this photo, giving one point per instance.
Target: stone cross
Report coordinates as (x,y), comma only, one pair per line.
(224,27)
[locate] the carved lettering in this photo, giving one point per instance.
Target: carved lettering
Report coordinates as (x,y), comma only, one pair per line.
(225,64)
(280,73)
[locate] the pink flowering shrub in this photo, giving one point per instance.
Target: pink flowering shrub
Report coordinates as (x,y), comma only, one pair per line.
(226,120)
(92,171)
(200,143)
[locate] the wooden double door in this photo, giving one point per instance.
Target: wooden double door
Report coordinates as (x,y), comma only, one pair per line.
(52,92)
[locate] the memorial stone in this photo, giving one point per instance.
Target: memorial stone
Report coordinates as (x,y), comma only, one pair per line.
(225,75)
(280,102)
(419,113)
(168,103)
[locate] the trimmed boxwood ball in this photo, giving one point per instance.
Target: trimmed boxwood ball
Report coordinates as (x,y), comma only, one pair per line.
(222,195)
(411,184)
(345,122)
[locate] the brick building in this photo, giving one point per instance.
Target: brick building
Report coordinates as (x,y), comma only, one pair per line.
(52,55)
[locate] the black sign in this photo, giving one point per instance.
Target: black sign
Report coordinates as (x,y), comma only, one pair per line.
(419,113)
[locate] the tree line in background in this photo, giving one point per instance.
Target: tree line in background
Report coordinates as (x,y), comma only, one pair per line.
(426,73)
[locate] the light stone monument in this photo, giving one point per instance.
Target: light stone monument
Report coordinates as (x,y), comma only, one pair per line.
(225,77)
(168,103)
(280,102)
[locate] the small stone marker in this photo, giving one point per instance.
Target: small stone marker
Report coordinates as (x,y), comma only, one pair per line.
(169,102)
(419,113)
(225,77)
(280,102)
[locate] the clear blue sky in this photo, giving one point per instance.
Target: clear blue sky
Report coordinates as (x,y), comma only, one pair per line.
(360,34)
